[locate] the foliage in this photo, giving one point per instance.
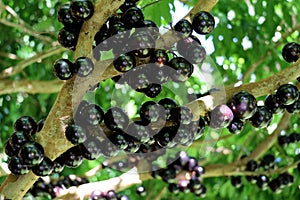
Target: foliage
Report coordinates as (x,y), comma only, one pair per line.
(246,43)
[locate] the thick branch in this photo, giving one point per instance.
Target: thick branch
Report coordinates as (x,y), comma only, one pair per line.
(23,64)
(268,85)
(51,137)
(29,86)
(103,10)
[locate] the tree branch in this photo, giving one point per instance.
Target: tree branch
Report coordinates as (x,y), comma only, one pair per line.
(4,171)
(30,86)
(23,64)
(26,30)
(270,84)
(216,170)
(9,55)
(51,137)
(117,183)
(13,13)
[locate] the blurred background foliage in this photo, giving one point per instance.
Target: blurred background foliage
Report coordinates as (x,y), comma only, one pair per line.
(245,47)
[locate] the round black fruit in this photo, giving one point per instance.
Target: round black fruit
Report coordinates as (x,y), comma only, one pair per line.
(203,23)
(92,114)
(261,118)
(68,37)
(252,165)
(236,126)
(65,17)
(236,181)
(195,54)
(168,104)
(25,124)
(140,190)
(152,90)
(75,134)
(91,148)
(160,57)
(291,52)
(84,66)
(184,26)
(294,107)
(152,28)
(63,69)
(262,181)
(283,140)
(152,112)
(9,149)
(243,105)
(31,153)
(44,168)
(181,115)
(287,94)
(143,43)
(116,118)
(273,105)
(124,62)
(82,9)
(16,166)
(133,17)
(183,69)
(139,132)
(58,164)
(185,43)
(18,139)
(72,157)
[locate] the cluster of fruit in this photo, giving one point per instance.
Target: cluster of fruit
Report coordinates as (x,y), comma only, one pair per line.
(51,188)
(161,125)
(109,195)
(180,165)
(132,40)
(243,106)
(64,69)
(72,15)
(263,181)
(26,154)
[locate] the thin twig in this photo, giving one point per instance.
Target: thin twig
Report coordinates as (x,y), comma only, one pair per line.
(24,63)
(249,138)
(26,30)
(9,55)
(150,4)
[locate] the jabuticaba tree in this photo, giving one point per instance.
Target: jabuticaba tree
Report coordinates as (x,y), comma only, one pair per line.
(124,100)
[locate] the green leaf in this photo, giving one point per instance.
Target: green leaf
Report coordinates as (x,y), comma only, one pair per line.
(159,12)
